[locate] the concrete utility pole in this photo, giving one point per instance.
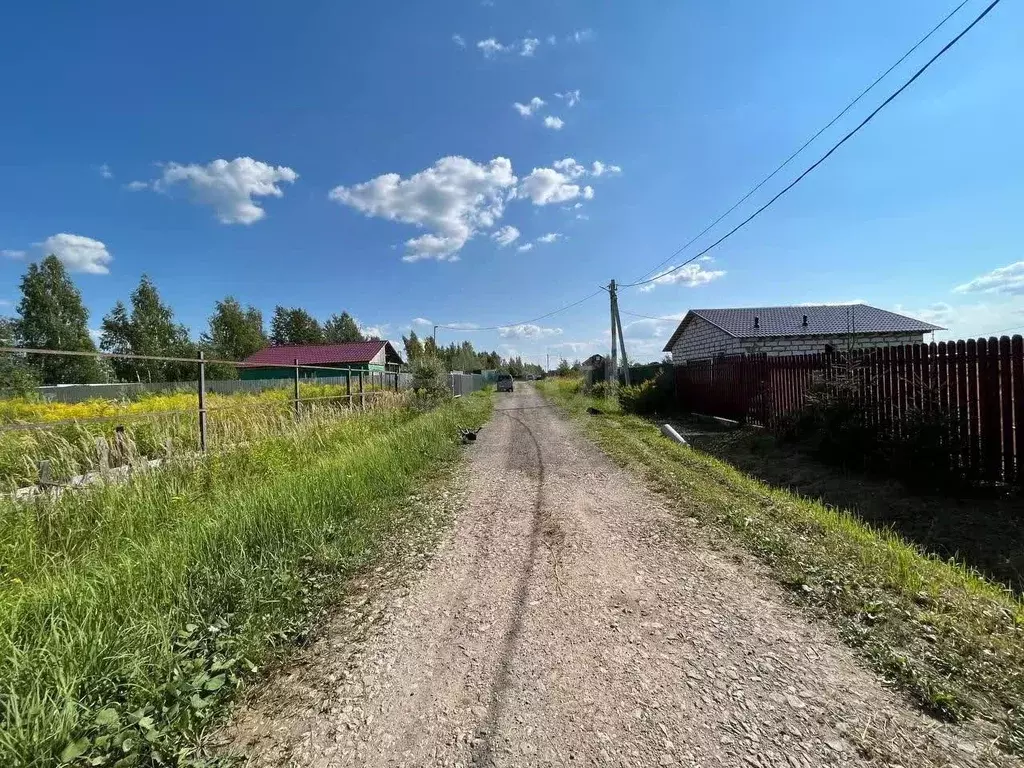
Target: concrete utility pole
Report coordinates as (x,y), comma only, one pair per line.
(435,336)
(622,339)
(613,372)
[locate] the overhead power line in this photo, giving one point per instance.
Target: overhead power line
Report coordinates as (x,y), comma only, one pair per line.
(824,157)
(523,322)
(647,317)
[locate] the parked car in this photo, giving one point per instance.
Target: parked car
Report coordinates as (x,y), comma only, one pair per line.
(505,383)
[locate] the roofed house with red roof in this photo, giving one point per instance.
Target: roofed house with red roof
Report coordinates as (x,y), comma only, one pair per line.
(279,362)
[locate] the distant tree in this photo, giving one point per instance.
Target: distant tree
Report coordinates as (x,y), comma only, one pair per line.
(430,347)
(342,328)
(564,369)
(115,337)
(52,316)
(16,375)
(294,325)
(149,330)
(234,334)
(413,347)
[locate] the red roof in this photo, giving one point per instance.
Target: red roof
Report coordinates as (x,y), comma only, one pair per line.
(321,354)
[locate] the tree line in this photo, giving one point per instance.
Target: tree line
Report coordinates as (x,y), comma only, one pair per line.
(463,357)
(52,315)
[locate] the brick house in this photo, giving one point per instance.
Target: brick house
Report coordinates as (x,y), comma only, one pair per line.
(710,333)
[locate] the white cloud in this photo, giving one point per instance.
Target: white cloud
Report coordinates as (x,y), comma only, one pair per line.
(78,253)
(579,348)
(528,331)
(455,197)
(692,275)
(571,98)
(136,186)
(968,321)
(462,326)
(569,167)
(550,237)
(528,45)
(506,235)
(580,36)
(600,169)
(554,185)
(490,47)
(227,186)
(546,185)
(652,328)
(1008,280)
(11,253)
(525,247)
(105,171)
(526,110)
(552,40)
(373,331)
(421,321)
(554,123)
(459,40)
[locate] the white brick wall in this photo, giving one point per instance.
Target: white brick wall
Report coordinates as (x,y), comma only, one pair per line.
(702,340)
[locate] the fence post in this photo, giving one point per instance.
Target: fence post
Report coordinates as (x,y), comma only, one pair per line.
(296,387)
(362,394)
(348,386)
(202,403)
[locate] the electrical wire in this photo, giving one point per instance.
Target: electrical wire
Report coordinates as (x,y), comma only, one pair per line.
(822,159)
(647,317)
(1003,330)
(524,322)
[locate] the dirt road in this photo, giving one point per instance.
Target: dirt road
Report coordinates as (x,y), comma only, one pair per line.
(569,619)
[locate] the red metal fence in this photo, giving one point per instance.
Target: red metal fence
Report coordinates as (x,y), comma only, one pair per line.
(976,385)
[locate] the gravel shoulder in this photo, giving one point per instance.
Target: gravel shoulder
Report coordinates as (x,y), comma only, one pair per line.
(569,618)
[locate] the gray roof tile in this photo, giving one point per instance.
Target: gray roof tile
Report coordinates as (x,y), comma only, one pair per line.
(822,320)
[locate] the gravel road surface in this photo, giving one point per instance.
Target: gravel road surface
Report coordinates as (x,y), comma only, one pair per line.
(569,618)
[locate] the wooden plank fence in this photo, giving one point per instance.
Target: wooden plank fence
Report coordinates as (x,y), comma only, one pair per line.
(974,387)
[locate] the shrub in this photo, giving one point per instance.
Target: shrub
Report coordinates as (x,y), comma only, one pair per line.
(430,381)
(834,425)
(648,397)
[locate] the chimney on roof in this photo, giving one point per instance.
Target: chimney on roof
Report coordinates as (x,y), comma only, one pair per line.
(805,321)
(757,321)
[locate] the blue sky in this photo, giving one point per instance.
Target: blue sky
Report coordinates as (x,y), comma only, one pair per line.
(259,135)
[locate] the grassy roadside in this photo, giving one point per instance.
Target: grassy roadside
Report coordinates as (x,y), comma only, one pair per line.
(130,614)
(953,641)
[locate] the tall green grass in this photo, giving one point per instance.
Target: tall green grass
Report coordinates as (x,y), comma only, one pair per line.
(129,613)
(153,426)
(939,631)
